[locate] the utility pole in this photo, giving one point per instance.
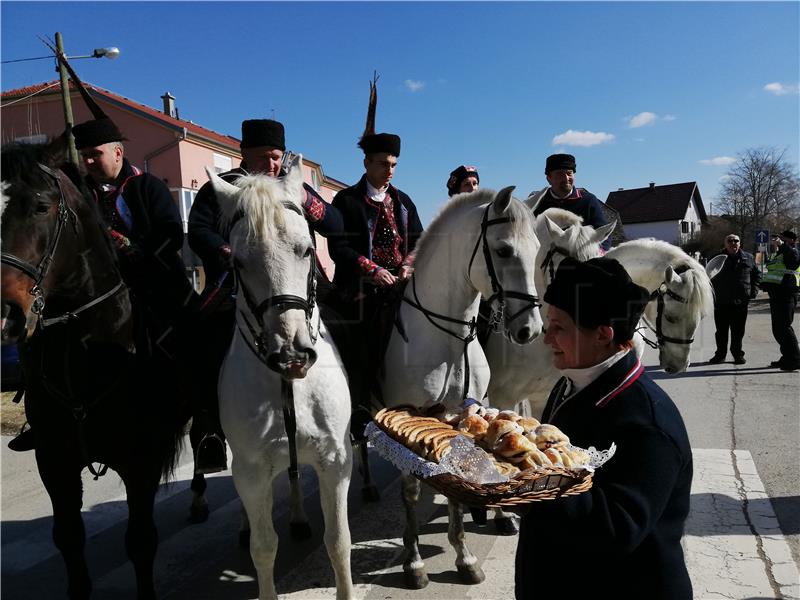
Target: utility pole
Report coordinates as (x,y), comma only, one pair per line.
(69,121)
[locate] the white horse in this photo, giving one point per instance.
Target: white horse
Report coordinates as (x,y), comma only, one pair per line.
(678,285)
(268,390)
(681,295)
(481,243)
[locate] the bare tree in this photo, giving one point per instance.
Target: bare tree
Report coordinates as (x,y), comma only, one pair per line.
(761,189)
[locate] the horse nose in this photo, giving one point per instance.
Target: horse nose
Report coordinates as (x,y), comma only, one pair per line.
(524,335)
(292,365)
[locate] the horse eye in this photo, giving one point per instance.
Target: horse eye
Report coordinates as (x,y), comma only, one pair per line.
(42,207)
(669,319)
(504,252)
(308,252)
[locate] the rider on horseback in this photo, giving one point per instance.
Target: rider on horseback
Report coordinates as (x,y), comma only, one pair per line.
(373,255)
(263,146)
(145,227)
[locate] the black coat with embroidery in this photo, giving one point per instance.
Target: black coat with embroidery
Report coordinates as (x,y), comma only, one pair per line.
(151,266)
(622,538)
(358,219)
(206,236)
(580,202)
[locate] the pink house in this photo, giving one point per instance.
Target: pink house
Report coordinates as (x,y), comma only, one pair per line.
(161,143)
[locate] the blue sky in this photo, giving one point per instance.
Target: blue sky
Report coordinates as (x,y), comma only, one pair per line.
(639,92)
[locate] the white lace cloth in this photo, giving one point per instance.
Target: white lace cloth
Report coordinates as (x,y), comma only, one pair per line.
(464,460)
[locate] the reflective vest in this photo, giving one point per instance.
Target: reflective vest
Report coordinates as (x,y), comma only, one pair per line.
(776,270)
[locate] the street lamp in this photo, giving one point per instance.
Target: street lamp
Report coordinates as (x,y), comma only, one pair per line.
(110,53)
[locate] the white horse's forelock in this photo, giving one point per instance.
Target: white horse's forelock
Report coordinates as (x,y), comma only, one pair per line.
(260,204)
(4,196)
(562,218)
(521,218)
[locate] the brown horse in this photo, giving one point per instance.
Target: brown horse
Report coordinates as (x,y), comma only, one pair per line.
(91,397)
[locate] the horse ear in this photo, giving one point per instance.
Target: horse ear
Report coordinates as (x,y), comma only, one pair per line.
(56,152)
(294,169)
(552,230)
(601,234)
(670,275)
(503,199)
(222,188)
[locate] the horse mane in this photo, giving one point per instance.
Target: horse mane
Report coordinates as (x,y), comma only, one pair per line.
(521,225)
(19,162)
(562,218)
(702,296)
(260,204)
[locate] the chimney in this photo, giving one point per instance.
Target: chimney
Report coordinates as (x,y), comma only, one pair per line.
(620,189)
(169,105)
(652,185)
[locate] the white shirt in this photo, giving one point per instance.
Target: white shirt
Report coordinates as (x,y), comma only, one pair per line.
(580,378)
(375,194)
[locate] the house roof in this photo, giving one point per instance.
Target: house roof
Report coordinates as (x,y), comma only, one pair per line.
(192,129)
(657,203)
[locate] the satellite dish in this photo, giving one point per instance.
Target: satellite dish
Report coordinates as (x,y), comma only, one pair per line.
(714,266)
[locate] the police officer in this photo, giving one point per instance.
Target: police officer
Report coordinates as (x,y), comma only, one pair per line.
(263,146)
(781,282)
(560,172)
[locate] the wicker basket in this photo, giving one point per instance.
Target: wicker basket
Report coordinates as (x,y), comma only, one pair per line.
(544,483)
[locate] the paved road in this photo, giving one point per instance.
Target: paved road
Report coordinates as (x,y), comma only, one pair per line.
(742,539)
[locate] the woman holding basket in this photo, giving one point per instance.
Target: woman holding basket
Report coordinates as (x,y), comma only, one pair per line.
(622,537)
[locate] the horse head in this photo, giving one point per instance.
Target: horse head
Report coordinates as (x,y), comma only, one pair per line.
(506,276)
(49,254)
(675,315)
(275,265)
(563,234)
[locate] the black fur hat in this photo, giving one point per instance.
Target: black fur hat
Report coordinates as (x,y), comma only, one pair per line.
(371,142)
(598,292)
(263,132)
(96,133)
(559,161)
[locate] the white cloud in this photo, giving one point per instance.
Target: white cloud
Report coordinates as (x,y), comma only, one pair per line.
(724,178)
(781,89)
(718,161)
(642,119)
(414,85)
(582,138)
(669,117)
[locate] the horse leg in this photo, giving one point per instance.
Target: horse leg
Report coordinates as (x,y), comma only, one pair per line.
(369,491)
(334,480)
(65,489)
(198,510)
(141,537)
(299,528)
(254,486)
(505,523)
(413,566)
(466,563)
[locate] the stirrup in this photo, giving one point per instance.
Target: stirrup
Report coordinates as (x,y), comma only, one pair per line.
(211,456)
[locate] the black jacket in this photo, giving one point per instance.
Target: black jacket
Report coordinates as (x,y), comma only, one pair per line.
(152,266)
(358,219)
(738,280)
(206,237)
(622,538)
(580,202)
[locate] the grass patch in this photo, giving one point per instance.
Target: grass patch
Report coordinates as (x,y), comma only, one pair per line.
(12,416)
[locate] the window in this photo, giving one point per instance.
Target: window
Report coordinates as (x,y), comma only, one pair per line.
(684,226)
(222,163)
(314,179)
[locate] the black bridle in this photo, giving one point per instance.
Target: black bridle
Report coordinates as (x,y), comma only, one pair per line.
(548,264)
(39,272)
(658,295)
(498,293)
(282,302)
